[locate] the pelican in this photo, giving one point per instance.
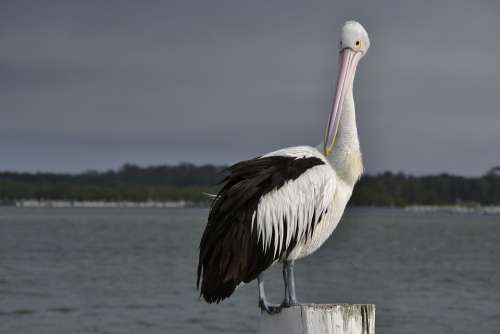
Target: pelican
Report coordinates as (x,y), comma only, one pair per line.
(284,205)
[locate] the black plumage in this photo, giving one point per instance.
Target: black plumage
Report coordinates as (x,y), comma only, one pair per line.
(230,251)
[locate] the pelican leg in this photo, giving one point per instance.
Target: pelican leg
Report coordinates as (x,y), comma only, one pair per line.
(263,303)
(286,301)
(289,279)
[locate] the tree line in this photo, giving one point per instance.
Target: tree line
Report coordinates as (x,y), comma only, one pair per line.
(191,183)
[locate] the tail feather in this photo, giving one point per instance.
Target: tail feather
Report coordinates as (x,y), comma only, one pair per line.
(229,255)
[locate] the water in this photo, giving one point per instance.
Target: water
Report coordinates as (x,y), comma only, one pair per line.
(133,271)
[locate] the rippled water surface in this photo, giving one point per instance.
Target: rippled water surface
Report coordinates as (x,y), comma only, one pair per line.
(133,271)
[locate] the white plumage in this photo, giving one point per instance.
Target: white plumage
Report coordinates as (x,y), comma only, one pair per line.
(298,202)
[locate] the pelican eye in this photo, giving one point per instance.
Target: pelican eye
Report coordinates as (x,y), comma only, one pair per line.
(357,44)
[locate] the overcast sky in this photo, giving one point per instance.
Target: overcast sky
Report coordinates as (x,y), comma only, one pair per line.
(95,84)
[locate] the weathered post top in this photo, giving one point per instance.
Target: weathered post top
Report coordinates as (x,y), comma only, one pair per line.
(321,319)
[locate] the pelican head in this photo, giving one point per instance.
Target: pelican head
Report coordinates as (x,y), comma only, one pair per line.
(354,44)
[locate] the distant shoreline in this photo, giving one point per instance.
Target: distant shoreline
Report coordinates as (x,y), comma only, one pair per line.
(455,209)
(99,204)
(452,209)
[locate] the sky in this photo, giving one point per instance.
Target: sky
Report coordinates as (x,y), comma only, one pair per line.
(95,84)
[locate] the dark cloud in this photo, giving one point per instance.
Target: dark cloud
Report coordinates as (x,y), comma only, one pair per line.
(95,84)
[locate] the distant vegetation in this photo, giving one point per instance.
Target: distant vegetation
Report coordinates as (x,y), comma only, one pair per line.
(190,182)
(130,183)
(390,189)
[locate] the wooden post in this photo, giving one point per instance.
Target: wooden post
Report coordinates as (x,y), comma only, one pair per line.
(321,319)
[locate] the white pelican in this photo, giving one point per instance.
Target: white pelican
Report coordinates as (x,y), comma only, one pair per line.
(282,206)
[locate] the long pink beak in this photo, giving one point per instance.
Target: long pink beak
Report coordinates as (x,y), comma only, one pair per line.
(348,62)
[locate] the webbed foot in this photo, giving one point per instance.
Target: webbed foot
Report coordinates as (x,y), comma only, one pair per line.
(289,302)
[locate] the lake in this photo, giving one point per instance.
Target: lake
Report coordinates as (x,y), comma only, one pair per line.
(134,271)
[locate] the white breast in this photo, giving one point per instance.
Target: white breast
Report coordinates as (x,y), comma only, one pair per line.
(327,225)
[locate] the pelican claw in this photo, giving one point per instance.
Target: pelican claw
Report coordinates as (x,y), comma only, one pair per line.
(269,308)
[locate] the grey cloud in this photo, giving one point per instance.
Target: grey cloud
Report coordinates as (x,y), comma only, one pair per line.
(217,81)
